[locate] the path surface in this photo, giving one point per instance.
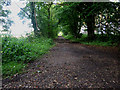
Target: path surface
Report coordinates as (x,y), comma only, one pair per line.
(70,65)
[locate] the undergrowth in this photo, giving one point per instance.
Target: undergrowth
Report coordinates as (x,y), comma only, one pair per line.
(17,52)
(99,40)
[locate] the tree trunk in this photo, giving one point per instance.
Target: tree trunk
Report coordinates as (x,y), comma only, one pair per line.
(50,32)
(90,26)
(32,7)
(49,29)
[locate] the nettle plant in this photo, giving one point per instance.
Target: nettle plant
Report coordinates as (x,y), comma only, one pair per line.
(15,50)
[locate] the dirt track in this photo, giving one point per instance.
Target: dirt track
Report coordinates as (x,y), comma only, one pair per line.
(70,65)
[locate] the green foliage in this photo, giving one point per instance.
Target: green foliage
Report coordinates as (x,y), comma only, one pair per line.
(45,20)
(99,40)
(102,17)
(15,52)
(68,17)
(11,68)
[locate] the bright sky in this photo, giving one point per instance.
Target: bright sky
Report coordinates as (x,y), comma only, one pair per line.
(18,28)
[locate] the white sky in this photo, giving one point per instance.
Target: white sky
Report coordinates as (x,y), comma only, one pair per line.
(18,28)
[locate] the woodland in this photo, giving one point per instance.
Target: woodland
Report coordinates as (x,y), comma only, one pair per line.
(100,19)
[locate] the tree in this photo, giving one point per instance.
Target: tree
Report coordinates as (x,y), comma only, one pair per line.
(68,17)
(40,15)
(6,22)
(33,18)
(71,16)
(75,14)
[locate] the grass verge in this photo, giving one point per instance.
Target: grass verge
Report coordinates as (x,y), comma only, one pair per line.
(99,40)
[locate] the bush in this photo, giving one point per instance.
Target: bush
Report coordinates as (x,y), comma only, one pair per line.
(23,50)
(100,40)
(15,50)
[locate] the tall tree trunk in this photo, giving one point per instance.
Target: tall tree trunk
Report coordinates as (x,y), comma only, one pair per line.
(90,21)
(90,26)
(49,29)
(49,23)
(32,7)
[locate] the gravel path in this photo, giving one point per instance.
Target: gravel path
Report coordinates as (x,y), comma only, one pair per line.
(70,65)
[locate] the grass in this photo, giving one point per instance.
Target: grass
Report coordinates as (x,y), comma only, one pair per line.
(97,43)
(112,40)
(11,68)
(17,53)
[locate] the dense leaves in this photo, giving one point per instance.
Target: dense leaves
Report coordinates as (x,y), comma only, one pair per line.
(99,17)
(43,20)
(16,53)
(69,17)
(23,50)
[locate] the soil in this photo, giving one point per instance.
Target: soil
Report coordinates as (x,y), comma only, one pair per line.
(71,65)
